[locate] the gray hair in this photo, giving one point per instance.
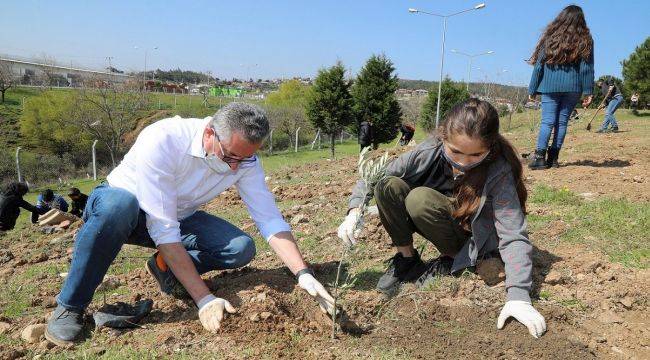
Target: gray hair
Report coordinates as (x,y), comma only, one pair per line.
(246,119)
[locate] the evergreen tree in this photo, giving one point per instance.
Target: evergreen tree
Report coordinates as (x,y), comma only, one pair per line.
(329,104)
(636,71)
(451,94)
(374,98)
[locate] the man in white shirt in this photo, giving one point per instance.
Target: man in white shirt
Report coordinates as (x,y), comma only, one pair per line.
(151,199)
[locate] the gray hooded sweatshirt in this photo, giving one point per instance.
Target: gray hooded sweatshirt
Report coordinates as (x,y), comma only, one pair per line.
(499,223)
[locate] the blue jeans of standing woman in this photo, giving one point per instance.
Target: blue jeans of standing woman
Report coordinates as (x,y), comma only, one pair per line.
(113,218)
(556,109)
(614,103)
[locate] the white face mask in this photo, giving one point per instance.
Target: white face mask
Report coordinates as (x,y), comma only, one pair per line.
(215,163)
(463,168)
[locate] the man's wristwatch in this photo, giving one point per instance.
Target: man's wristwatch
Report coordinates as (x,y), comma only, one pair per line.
(305,271)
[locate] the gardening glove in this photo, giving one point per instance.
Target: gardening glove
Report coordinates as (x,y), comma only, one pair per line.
(350,229)
(526,314)
(309,283)
(587,101)
(211,311)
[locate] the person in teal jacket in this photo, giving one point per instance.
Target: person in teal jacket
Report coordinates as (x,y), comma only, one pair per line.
(563,72)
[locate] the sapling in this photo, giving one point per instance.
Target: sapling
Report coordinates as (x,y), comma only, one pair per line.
(371,171)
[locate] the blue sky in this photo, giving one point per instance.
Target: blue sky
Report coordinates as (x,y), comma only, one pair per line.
(289,38)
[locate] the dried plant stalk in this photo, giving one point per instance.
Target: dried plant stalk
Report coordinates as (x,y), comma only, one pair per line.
(371,172)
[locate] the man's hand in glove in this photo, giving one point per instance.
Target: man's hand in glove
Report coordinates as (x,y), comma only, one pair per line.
(211,311)
(308,282)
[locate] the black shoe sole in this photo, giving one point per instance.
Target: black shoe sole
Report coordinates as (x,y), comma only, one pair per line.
(146,266)
(179,297)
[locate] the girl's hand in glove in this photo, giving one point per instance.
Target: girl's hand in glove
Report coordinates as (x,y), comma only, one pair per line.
(309,283)
(348,230)
(526,314)
(211,312)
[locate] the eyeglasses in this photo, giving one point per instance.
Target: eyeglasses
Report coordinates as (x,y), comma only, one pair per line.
(233,160)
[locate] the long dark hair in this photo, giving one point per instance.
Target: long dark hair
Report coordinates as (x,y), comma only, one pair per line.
(566,39)
(479,120)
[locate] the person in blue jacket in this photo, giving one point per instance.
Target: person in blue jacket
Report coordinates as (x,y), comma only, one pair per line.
(47,201)
(563,71)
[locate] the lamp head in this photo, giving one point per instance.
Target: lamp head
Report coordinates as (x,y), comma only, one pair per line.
(413,11)
(479,6)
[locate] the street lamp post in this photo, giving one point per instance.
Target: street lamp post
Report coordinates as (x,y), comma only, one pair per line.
(442,55)
(471,59)
(144,75)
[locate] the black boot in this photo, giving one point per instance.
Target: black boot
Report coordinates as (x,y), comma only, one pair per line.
(401,269)
(538,162)
(552,159)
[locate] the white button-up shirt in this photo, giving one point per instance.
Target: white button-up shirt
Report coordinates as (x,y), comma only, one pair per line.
(166,171)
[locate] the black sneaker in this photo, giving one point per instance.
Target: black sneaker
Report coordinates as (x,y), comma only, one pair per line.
(400,270)
(614,129)
(440,266)
(538,162)
(169,285)
(64,326)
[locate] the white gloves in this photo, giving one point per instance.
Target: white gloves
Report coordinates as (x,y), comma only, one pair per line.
(308,283)
(351,227)
(526,314)
(211,311)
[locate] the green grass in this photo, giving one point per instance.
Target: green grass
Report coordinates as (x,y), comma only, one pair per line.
(546,195)
(617,227)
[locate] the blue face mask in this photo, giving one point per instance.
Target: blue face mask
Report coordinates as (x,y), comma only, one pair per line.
(463,168)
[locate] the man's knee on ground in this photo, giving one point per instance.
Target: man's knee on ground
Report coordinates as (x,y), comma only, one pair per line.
(243,248)
(426,202)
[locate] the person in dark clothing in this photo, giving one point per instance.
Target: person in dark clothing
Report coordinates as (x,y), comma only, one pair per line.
(613,99)
(366,133)
(11,200)
(47,201)
(407,131)
(78,201)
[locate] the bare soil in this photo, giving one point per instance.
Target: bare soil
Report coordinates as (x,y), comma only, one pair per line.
(593,308)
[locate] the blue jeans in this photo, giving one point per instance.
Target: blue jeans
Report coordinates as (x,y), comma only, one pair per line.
(113,217)
(614,103)
(556,109)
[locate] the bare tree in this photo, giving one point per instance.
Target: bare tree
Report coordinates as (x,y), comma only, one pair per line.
(107,112)
(7,79)
(287,119)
